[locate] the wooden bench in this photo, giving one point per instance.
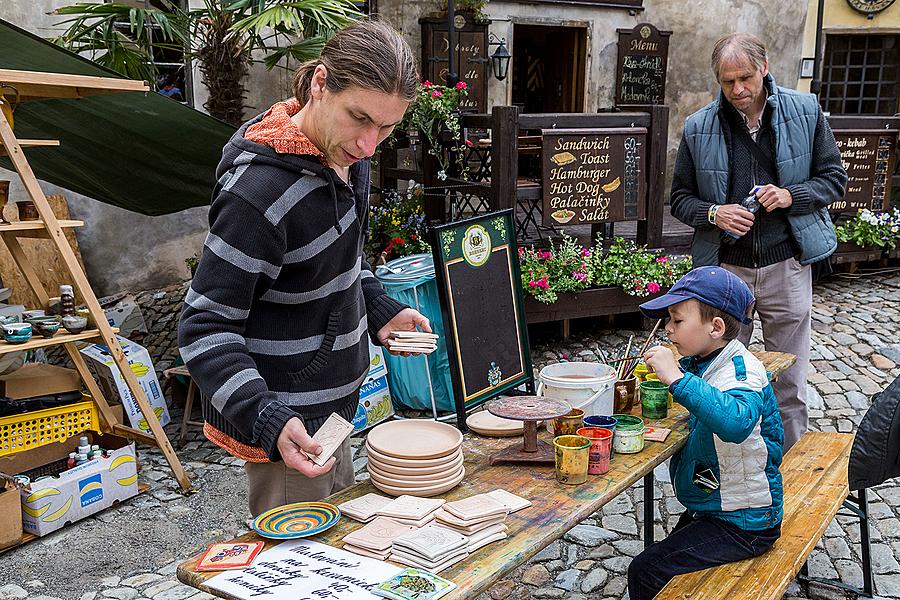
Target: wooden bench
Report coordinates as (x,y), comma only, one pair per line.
(814,472)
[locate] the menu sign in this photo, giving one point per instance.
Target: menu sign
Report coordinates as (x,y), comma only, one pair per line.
(593,175)
(868,157)
(641,67)
(471,53)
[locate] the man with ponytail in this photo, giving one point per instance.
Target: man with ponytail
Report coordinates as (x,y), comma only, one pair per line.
(275,323)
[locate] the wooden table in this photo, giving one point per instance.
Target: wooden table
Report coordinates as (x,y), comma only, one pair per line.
(556,509)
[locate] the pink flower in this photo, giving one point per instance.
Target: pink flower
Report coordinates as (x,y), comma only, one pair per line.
(542,283)
(521,251)
(585,252)
(461,85)
(662,259)
(427,84)
(532,283)
(436,94)
(544,254)
(652,287)
(579,276)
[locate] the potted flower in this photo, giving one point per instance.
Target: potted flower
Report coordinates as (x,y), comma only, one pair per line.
(435,112)
(870,229)
(397,225)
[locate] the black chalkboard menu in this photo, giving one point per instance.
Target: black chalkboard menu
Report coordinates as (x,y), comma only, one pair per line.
(594,175)
(477,267)
(641,65)
(869,157)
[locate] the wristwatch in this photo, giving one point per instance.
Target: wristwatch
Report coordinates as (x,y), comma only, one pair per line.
(711,214)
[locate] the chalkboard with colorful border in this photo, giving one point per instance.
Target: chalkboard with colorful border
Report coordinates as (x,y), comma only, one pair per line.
(479,284)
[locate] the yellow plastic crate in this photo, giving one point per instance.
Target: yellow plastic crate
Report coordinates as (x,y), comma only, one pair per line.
(32,429)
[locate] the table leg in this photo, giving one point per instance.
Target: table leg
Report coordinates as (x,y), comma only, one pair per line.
(648,509)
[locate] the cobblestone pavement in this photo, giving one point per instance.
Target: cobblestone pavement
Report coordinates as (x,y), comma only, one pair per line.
(130,552)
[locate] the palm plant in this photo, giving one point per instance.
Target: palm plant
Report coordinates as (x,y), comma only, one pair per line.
(222,35)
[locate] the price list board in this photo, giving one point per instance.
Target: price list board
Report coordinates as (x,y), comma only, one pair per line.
(869,158)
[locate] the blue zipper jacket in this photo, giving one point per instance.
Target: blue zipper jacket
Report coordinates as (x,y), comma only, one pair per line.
(736,432)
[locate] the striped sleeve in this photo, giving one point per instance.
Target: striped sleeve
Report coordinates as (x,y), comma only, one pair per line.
(241,256)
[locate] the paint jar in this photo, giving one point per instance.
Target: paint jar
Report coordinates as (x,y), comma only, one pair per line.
(629,435)
(654,399)
(624,399)
(601,444)
(655,377)
(603,422)
(571,456)
(569,423)
(640,371)
(27,210)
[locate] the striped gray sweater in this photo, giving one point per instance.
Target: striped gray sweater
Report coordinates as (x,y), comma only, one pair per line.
(275,322)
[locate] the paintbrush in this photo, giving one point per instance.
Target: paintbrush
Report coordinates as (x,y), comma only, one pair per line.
(622,360)
(646,344)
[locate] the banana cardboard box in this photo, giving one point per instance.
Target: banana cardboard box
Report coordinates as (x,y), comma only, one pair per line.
(113,384)
(73,494)
(375,403)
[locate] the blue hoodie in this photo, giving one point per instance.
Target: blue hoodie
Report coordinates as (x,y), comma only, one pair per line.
(736,432)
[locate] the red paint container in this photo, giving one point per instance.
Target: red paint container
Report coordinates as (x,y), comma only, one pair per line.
(601,444)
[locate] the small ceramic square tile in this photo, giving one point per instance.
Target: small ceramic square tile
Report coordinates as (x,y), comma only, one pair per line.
(431,542)
(415,522)
(365,507)
(443,516)
(513,503)
(411,507)
(487,532)
(413,560)
(330,436)
(470,529)
(476,507)
(369,553)
(378,534)
(473,546)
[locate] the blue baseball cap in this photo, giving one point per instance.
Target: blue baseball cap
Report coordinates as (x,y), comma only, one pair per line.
(714,286)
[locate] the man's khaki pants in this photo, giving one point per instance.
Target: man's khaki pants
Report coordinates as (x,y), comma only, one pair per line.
(783,294)
(274,484)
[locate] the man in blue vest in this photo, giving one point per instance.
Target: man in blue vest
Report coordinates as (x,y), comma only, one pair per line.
(764,141)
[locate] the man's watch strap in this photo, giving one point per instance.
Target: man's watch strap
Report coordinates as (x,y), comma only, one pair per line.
(711,214)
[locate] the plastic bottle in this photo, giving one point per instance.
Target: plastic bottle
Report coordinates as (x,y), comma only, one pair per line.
(750,203)
(80,459)
(71,462)
(66,301)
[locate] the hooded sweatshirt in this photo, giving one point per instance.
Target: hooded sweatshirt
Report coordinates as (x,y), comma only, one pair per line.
(276,321)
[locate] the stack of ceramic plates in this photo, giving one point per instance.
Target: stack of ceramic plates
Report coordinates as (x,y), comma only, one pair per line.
(415,457)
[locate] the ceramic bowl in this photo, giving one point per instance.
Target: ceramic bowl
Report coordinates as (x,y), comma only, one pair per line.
(30,314)
(17,333)
(74,324)
(47,327)
(8,319)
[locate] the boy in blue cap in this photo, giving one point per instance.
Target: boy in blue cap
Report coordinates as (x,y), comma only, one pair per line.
(726,475)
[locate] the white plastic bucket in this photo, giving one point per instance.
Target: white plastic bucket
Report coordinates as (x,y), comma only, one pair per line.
(585,385)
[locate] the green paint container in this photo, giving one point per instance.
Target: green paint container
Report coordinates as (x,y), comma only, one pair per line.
(629,434)
(654,399)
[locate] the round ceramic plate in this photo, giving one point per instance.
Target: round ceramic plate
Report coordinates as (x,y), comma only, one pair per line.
(411,480)
(393,470)
(484,423)
(415,438)
(412,462)
(422,492)
(297,520)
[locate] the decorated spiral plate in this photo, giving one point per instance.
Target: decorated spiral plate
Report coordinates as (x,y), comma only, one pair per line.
(297,520)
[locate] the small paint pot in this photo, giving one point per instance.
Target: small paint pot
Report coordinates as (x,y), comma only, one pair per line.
(603,422)
(624,398)
(601,445)
(571,456)
(569,423)
(629,435)
(27,210)
(654,399)
(17,333)
(654,377)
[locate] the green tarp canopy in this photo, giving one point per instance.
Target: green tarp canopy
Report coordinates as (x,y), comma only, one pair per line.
(142,152)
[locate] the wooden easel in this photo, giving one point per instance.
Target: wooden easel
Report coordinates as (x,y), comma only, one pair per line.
(35,86)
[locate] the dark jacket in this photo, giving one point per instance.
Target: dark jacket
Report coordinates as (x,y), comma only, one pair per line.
(875,456)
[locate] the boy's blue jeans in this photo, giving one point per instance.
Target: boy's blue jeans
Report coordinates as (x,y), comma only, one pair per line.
(693,545)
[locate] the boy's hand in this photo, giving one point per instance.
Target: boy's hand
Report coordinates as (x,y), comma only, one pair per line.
(661,360)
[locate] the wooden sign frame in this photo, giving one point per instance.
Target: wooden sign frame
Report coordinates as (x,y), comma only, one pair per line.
(647,42)
(482,347)
(581,194)
(882,162)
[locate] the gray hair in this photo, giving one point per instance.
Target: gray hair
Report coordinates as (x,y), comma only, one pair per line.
(736,47)
(369,54)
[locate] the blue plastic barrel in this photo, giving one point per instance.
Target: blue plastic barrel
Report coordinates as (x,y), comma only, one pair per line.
(418,382)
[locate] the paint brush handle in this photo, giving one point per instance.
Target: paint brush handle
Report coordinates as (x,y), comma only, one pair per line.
(650,337)
(625,358)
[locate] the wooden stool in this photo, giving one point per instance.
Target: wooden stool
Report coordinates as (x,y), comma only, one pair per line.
(188,403)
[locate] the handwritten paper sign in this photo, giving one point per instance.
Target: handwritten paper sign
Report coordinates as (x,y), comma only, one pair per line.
(306,570)
(868,157)
(641,68)
(593,175)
